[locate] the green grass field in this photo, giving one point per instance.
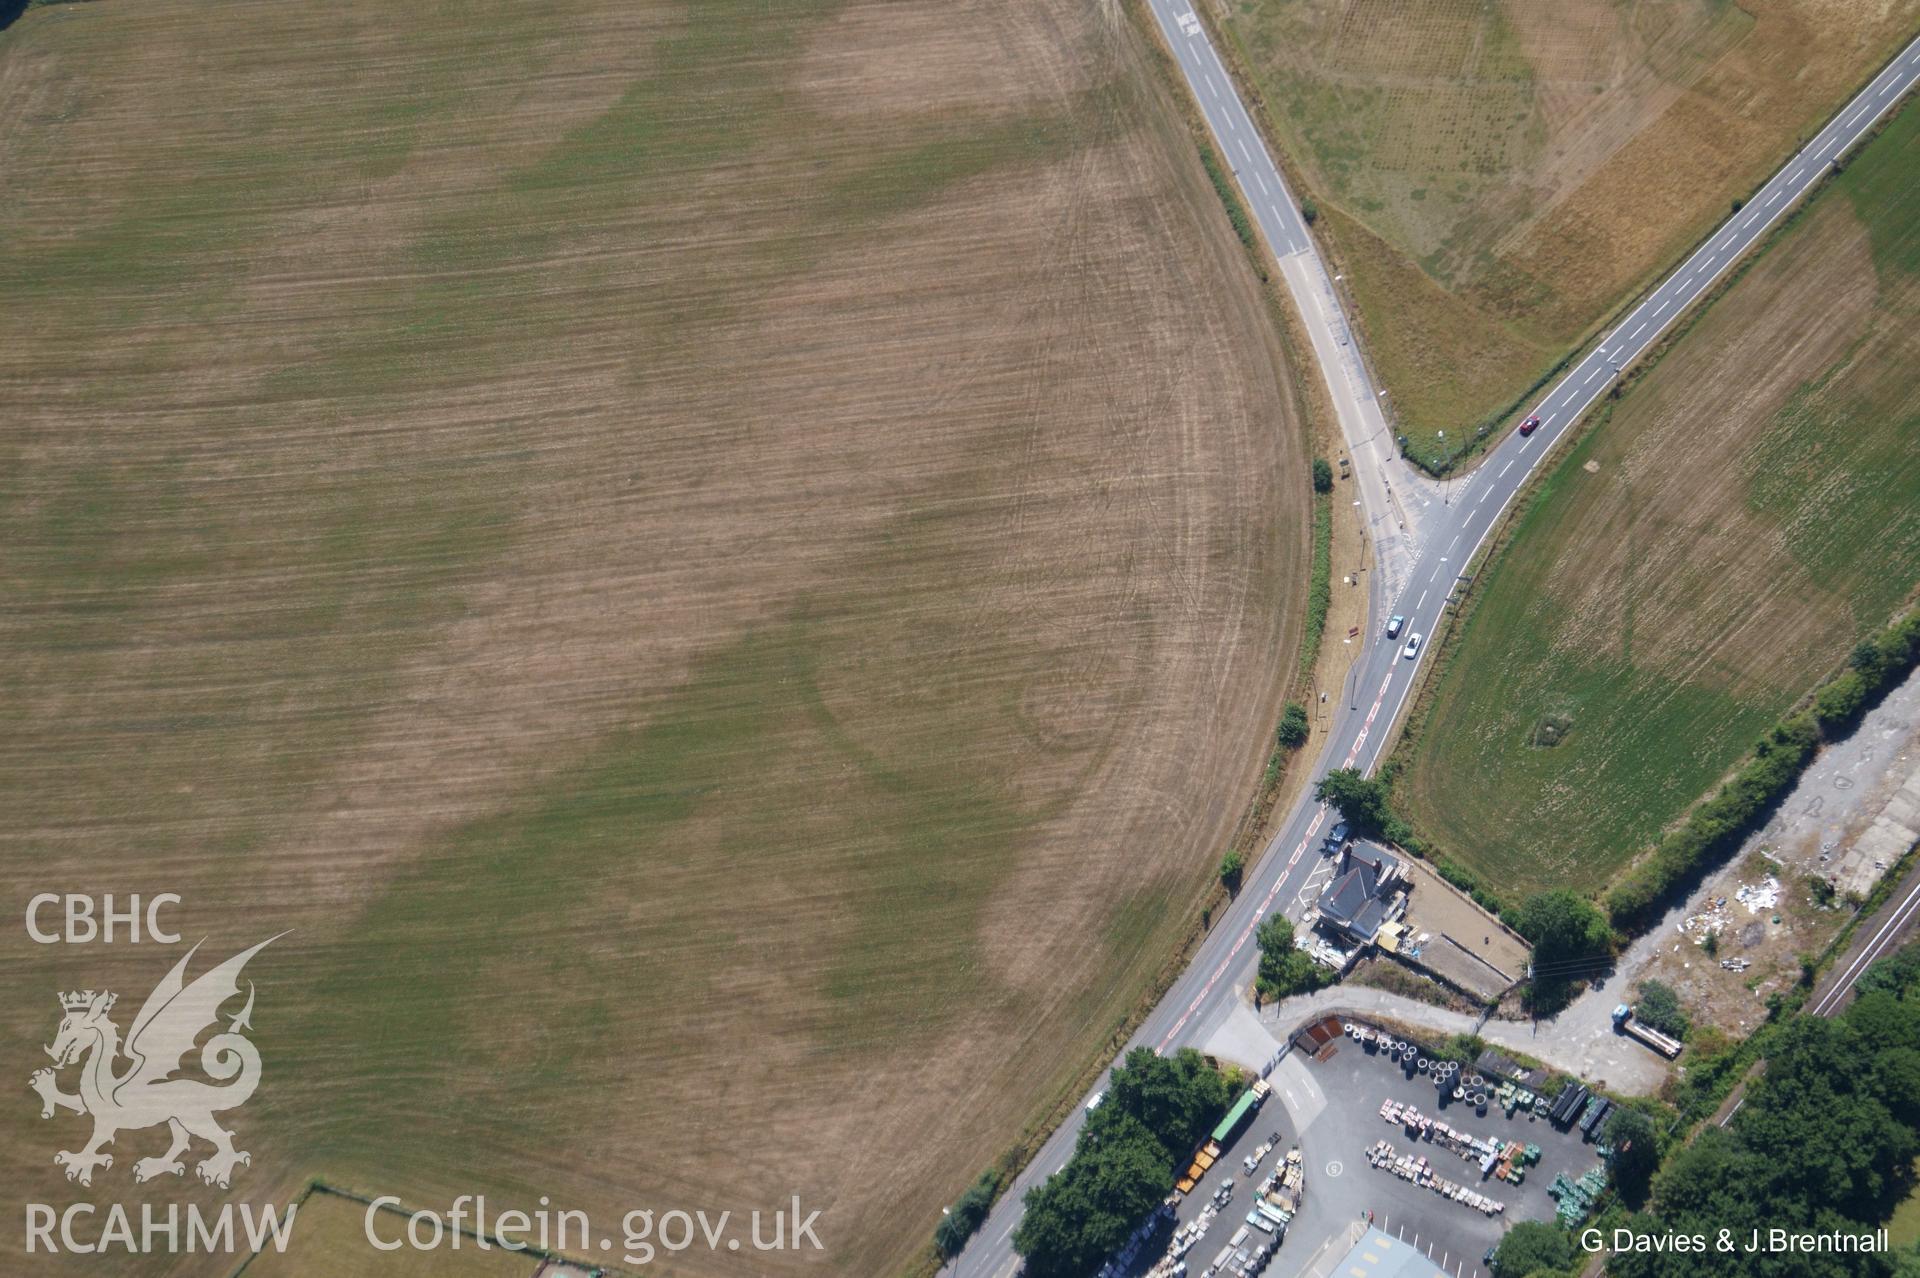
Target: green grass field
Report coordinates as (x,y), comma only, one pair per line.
(1903,1230)
(1496,177)
(1704,555)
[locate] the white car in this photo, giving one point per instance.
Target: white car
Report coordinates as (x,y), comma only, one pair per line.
(1412,649)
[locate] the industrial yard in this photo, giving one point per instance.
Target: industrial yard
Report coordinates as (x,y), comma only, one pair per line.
(1365,1095)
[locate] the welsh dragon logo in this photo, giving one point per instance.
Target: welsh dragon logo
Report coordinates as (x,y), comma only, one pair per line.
(145,1093)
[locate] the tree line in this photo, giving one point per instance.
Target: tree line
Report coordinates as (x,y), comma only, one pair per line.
(1133,1146)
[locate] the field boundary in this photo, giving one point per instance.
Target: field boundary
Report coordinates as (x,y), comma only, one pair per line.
(1310,398)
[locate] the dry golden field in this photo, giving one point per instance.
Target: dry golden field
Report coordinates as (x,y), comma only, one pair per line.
(330,1242)
(726,569)
(1497,177)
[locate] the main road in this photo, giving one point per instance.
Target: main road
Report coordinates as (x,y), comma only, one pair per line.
(1416,578)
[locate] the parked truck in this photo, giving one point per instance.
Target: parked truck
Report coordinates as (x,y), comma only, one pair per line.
(1223,1134)
(1625,1022)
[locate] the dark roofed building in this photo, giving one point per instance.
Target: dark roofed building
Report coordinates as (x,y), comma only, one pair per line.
(1384,864)
(1363,895)
(1492,1062)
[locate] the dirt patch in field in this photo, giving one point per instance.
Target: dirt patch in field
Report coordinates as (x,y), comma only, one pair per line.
(715,619)
(1458,939)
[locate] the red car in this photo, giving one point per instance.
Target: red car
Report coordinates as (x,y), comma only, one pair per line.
(1529,426)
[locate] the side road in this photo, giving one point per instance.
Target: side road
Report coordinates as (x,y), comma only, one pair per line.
(1610,1060)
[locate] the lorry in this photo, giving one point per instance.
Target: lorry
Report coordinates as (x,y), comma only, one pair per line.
(1203,1159)
(1243,1108)
(1624,1022)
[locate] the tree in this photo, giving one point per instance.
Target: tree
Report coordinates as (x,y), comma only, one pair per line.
(1284,968)
(1123,1163)
(1322,476)
(1275,936)
(1294,726)
(1362,800)
(1564,927)
(1867,658)
(1085,1212)
(1231,867)
(1570,938)
(1898,973)
(1823,1142)
(966,1215)
(1532,1246)
(1176,1097)
(1309,212)
(1659,1006)
(1636,1153)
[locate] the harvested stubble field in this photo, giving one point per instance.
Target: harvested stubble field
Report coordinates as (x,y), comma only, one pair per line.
(727,569)
(1746,513)
(1497,176)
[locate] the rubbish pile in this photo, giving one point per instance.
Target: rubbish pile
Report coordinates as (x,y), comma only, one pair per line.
(1415,1168)
(1758,898)
(1761,897)
(1697,927)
